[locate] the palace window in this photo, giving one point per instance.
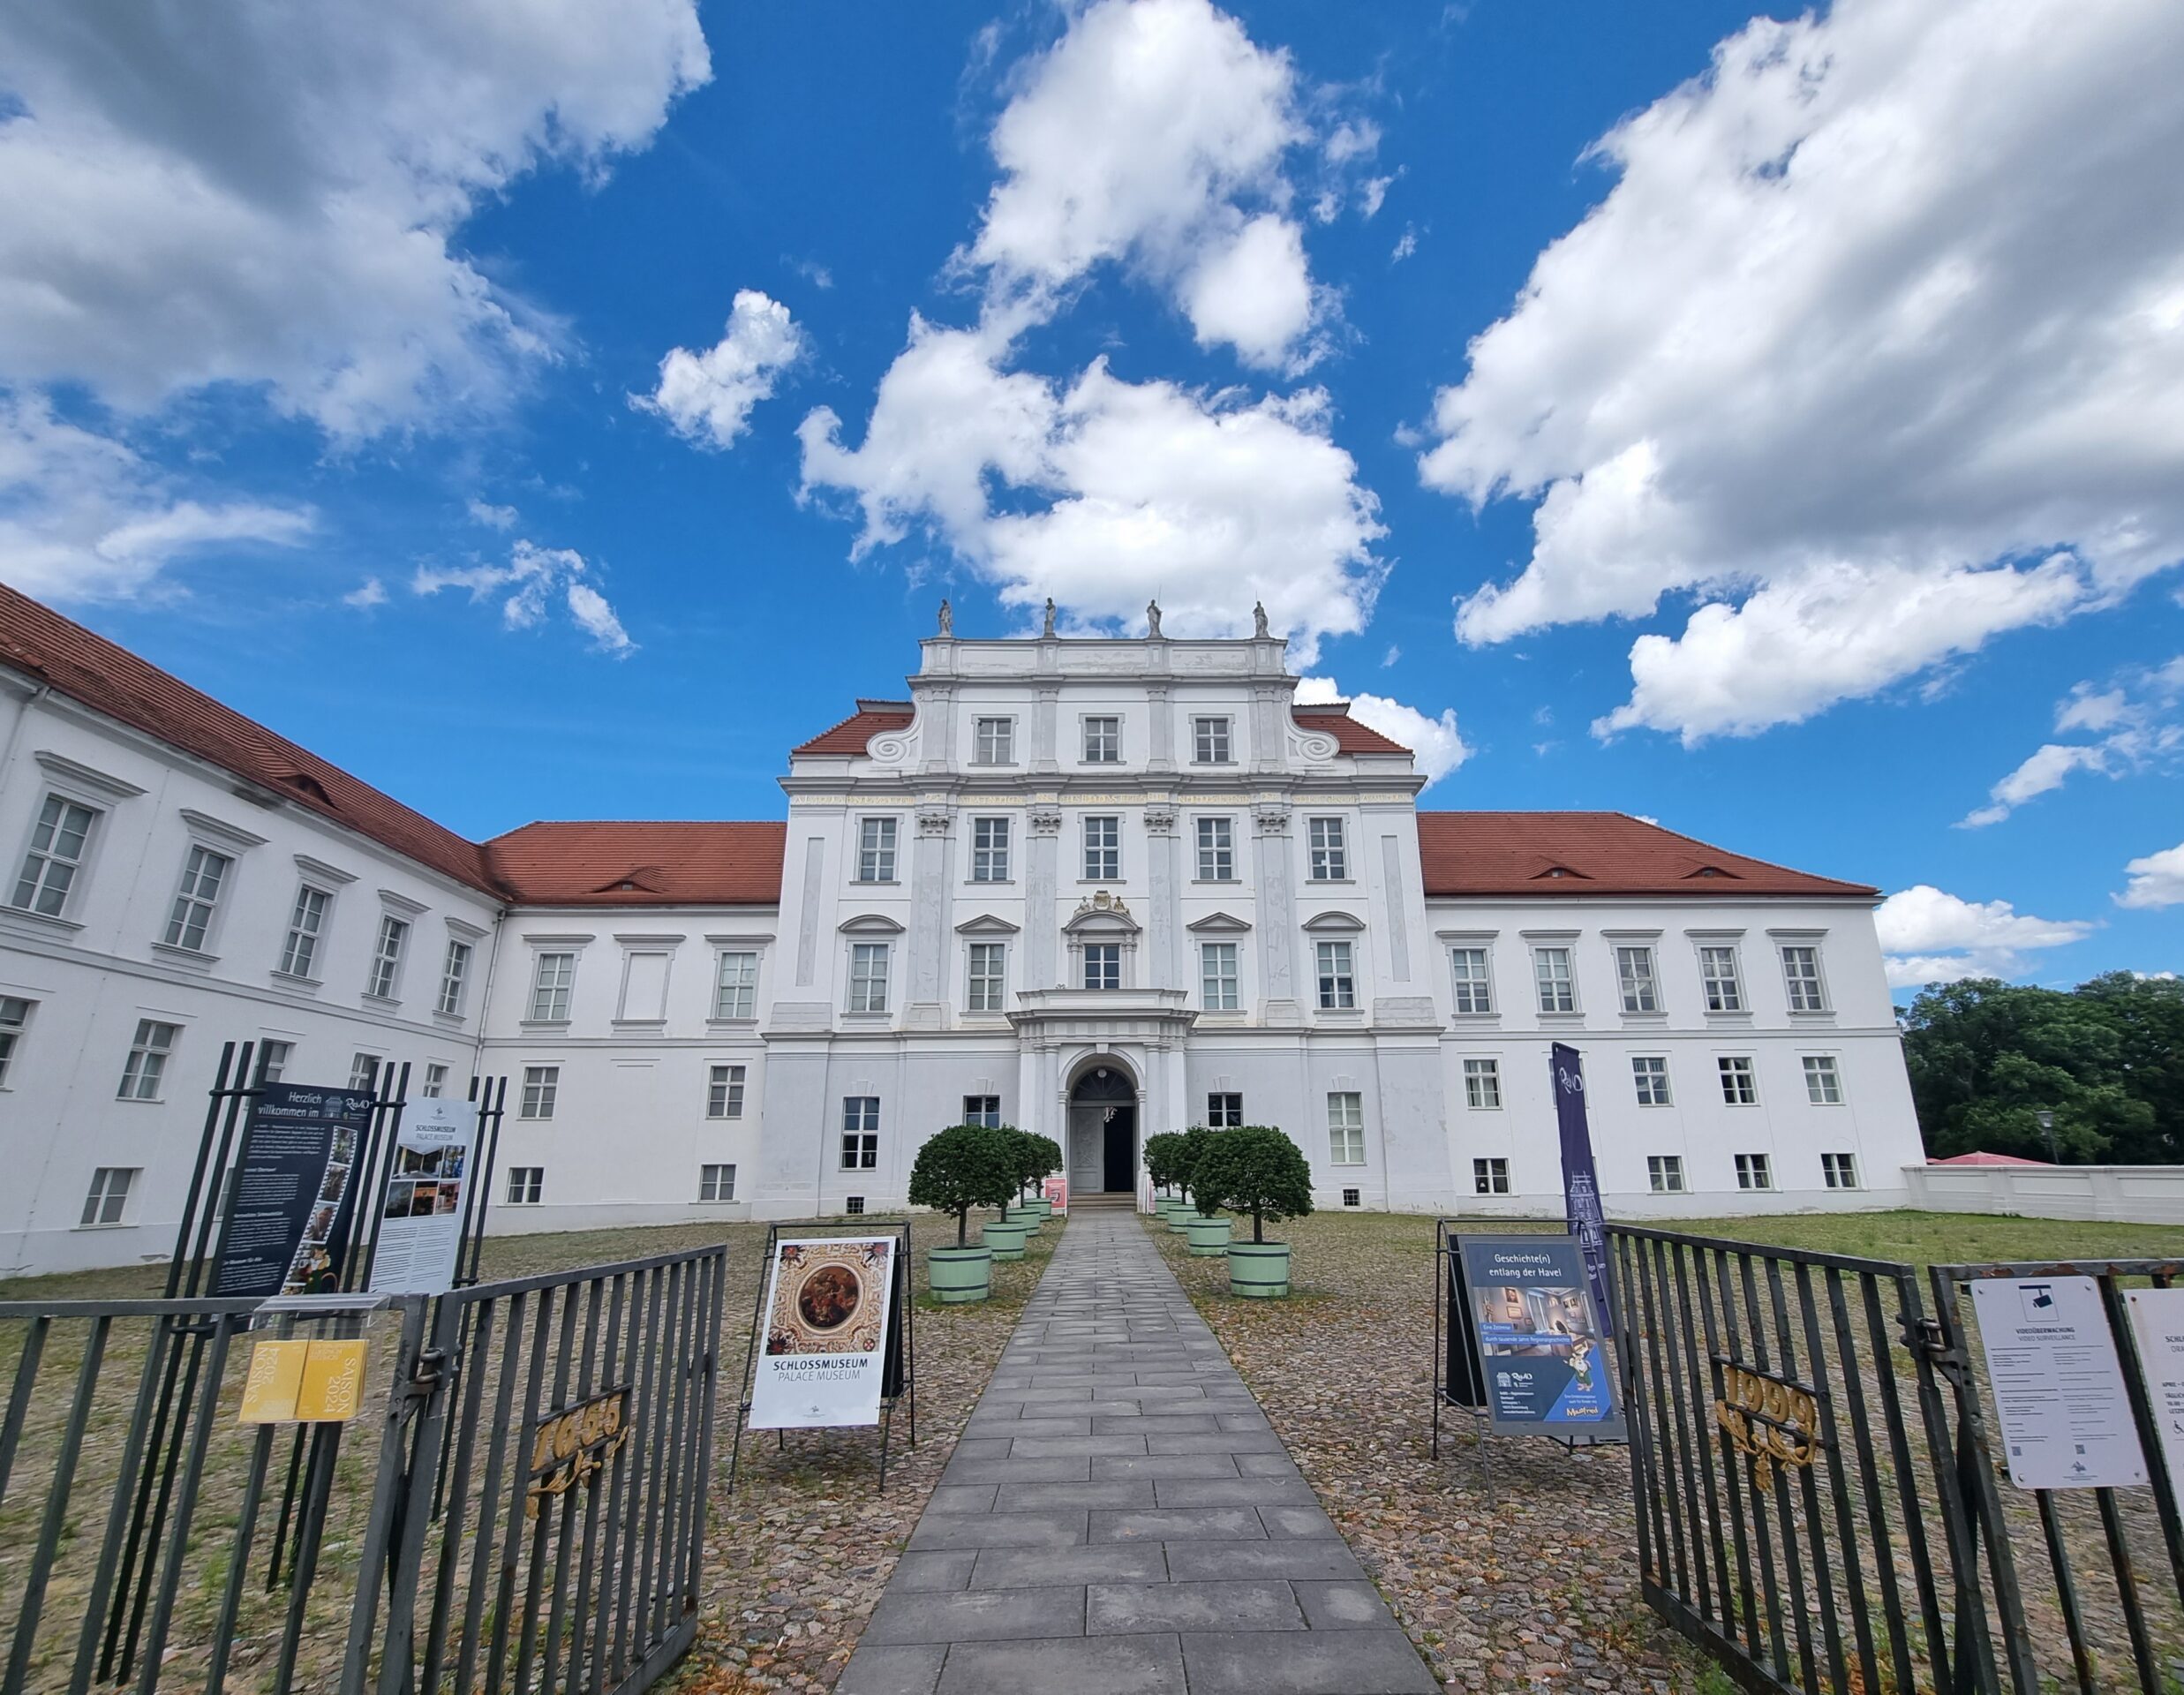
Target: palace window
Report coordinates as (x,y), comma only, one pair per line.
(868,977)
(1217,850)
(1754,1172)
(1345,1128)
(1717,974)
(1209,742)
(1650,1073)
(1490,1177)
(1801,978)
(716,1182)
(875,850)
(994,742)
(109,1195)
(1664,1173)
(1103,965)
(435,1082)
(387,957)
(454,971)
(14,1014)
(1224,1111)
(146,1069)
(735,995)
(1634,973)
(1331,858)
(273,1058)
(526,1184)
(983,1109)
(989,850)
(542,1087)
(1103,740)
(300,951)
(1739,1087)
(553,980)
(1483,1084)
(1103,850)
(59,844)
(198,899)
(724,1092)
(1823,1083)
(364,1074)
(988,963)
(1841,1171)
(1474,992)
(1217,976)
(1558,987)
(1338,981)
(860,1133)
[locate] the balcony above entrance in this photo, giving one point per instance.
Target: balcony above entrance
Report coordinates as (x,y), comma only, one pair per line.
(1051,1017)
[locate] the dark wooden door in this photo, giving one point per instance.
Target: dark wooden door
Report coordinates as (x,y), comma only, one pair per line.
(1122,1150)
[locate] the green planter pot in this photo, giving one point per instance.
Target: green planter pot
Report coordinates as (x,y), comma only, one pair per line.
(1027,1216)
(1259,1270)
(1040,1205)
(1207,1237)
(1181,1215)
(1006,1238)
(960,1273)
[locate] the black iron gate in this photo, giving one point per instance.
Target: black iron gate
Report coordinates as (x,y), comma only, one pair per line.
(1818,1501)
(518,1505)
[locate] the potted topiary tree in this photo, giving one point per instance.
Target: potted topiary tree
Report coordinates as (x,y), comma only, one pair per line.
(1036,1157)
(1162,1155)
(966,1165)
(1191,1144)
(1257,1170)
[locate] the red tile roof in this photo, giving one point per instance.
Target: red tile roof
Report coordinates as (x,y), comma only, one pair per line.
(1350,736)
(870,719)
(109,679)
(1550,854)
(663,863)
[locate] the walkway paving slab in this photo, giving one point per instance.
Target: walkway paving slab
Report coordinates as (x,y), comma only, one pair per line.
(1120,1517)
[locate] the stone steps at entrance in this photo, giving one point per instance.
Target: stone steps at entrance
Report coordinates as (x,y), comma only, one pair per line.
(1098,1201)
(1120,1518)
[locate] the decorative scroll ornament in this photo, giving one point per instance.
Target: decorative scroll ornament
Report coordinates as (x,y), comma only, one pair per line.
(573,1446)
(1103,900)
(1769,1421)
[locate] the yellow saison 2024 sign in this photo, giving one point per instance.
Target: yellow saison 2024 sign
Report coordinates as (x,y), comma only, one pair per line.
(314,1383)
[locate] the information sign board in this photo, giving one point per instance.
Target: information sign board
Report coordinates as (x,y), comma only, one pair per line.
(1542,1358)
(291,1209)
(827,1342)
(2058,1394)
(2158,1322)
(421,1213)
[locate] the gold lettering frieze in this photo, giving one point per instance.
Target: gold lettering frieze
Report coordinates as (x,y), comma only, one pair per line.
(572,1447)
(1768,1421)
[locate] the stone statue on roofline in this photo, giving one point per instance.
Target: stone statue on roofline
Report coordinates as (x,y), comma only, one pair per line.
(1259,619)
(1152,618)
(947,618)
(1047,628)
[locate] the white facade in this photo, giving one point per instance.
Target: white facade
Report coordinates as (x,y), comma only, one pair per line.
(1093,888)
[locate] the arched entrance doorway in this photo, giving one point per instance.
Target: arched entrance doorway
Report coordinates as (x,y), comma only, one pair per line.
(1103,1130)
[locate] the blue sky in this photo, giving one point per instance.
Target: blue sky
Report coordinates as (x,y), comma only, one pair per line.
(1690,404)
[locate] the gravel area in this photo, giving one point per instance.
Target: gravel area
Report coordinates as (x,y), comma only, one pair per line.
(797,1557)
(1531,1582)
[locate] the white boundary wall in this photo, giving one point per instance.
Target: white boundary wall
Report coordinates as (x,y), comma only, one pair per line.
(2136,1195)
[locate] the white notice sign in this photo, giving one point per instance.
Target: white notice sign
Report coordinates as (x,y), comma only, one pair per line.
(2058,1394)
(2157,1321)
(823,1348)
(421,1214)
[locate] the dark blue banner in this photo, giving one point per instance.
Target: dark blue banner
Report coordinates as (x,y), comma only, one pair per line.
(1581,1190)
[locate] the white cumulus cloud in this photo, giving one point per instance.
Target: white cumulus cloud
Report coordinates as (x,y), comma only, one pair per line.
(2134,720)
(535,578)
(1814,360)
(2156,880)
(707,397)
(1106,494)
(1931,937)
(1437,743)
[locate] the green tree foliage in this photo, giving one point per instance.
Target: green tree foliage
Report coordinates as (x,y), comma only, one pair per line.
(966,1165)
(1162,1155)
(1192,1149)
(1256,1169)
(1036,1157)
(2107,1059)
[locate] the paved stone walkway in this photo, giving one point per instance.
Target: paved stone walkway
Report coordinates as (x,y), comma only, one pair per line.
(1119,1516)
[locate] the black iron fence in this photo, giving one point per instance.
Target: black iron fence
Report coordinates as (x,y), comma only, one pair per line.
(1820,1502)
(517,1503)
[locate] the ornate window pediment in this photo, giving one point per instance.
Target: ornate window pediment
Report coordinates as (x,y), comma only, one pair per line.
(1102,913)
(985,924)
(870,923)
(1218,923)
(1335,923)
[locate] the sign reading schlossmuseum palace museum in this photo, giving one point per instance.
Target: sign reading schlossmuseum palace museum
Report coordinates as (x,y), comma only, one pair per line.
(1542,1358)
(823,1360)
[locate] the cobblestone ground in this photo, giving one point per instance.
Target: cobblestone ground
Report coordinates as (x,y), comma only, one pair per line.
(1529,1581)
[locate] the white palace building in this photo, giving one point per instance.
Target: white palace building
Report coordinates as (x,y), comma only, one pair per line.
(1094,888)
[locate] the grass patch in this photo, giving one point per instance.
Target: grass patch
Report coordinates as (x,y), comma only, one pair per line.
(1924,1238)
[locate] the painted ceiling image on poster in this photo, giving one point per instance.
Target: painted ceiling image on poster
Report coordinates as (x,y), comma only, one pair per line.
(829,1297)
(1542,1347)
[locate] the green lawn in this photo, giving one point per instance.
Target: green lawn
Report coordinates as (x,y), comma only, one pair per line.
(1947,1237)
